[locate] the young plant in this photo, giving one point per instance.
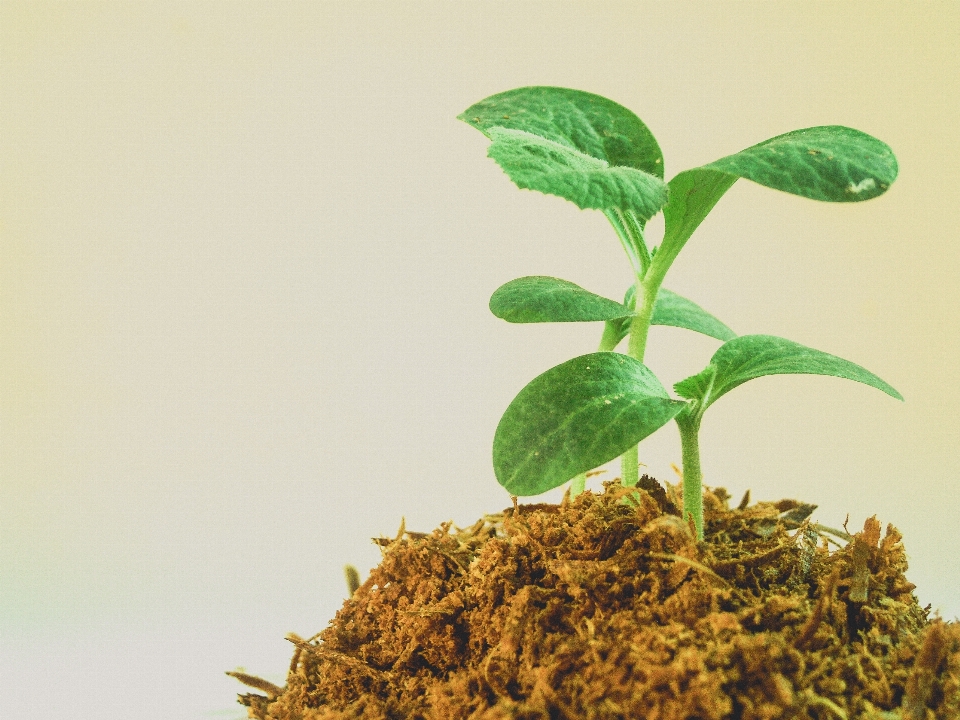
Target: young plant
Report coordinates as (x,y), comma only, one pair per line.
(599,155)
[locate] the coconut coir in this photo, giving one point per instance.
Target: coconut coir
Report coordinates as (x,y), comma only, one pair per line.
(606,606)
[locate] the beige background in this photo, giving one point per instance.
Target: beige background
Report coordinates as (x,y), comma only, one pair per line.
(245,256)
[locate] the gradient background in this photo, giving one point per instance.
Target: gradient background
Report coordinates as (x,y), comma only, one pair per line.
(245,257)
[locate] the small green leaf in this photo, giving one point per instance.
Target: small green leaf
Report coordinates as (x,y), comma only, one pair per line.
(535,163)
(537,299)
(697,387)
(677,311)
(576,416)
(752,356)
(586,122)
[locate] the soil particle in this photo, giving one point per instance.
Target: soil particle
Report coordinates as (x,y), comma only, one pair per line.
(606,607)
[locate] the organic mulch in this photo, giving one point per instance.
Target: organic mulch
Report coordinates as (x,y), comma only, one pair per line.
(607,607)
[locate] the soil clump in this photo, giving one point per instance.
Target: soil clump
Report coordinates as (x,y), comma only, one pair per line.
(606,607)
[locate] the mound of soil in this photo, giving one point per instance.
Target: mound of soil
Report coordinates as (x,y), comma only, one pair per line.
(607,607)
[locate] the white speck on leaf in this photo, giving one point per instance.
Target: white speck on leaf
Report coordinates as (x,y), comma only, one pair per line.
(865,184)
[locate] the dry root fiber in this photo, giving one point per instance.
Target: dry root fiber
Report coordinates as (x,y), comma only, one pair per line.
(606,607)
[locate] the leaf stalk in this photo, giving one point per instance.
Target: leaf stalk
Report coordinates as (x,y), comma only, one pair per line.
(635,230)
(610,339)
(633,254)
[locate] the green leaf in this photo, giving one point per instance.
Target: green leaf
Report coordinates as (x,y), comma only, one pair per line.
(676,311)
(576,416)
(537,299)
(830,163)
(589,123)
(752,356)
(535,163)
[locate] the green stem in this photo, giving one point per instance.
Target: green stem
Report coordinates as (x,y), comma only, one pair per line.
(609,340)
(630,467)
(646,298)
(607,344)
(637,347)
(625,240)
(634,228)
(578,484)
(692,476)
(630,231)
(630,460)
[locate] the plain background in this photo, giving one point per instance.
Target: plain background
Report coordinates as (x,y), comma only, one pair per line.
(245,257)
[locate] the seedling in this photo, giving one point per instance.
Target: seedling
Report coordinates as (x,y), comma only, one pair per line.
(599,155)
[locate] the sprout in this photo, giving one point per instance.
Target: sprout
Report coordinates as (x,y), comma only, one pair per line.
(600,156)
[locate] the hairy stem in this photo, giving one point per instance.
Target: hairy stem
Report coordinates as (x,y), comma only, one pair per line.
(689,425)
(640,326)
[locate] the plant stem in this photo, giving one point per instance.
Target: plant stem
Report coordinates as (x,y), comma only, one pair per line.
(640,326)
(633,255)
(609,341)
(578,484)
(634,229)
(630,467)
(689,425)
(630,231)
(646,298)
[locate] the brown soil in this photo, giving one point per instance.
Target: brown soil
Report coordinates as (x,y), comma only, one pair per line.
(607,607)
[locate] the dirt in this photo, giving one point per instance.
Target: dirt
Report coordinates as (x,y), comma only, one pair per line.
(607,607)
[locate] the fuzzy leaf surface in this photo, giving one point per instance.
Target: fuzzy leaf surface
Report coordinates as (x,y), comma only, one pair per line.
(751,356)
(589,123)
(576,416)
(538,298)
(535,163)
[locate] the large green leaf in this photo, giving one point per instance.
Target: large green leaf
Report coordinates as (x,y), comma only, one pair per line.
(538,298)
(676,311)
(576,416)
(586,122)
(752,356)
(535,163)
(830,163)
